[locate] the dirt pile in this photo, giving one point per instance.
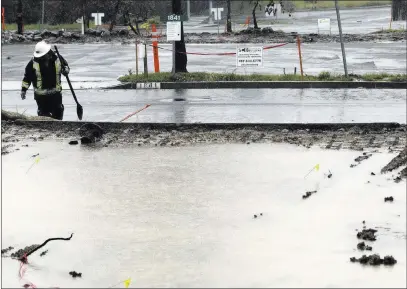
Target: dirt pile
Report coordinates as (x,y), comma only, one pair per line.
(264,35)
(397,162)
(375,260)
(367,234)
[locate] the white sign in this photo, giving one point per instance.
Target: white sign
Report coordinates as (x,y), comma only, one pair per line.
(324,24)
(217,12)
(174,31)
(249,56)
(98,18)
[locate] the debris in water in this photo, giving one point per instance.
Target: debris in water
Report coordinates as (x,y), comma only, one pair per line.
(36,155)
(388,199)
(308,194)
(255,216)
(3,251)
(362,158)
(374,260)
(367,234)
(363,222)
(329,175)
(44,253)
(397,180)
(372,173)
(73,142)
(75,274)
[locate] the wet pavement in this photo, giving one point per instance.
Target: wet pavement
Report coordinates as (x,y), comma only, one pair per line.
(99,65)
(364,20)
(229,105)
(188,219)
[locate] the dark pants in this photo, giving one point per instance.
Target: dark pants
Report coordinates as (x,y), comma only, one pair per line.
(50,105)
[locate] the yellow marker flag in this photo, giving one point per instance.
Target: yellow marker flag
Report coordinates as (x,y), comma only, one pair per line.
(317,167)
(37,159)
(127,283)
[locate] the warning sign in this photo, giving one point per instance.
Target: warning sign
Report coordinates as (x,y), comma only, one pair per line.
(249,56)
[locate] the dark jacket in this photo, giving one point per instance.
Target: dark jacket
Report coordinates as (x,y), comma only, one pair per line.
(48,73)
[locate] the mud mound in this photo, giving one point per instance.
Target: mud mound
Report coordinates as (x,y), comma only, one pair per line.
(13,116)
(374,260)
(398,161)
(20,253)
(367,234)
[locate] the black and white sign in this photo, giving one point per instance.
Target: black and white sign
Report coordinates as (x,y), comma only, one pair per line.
(249,56)
(174,31)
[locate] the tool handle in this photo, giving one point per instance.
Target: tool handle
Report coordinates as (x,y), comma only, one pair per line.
(67,78)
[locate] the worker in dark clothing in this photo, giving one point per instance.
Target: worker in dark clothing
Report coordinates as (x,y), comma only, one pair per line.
(44,72)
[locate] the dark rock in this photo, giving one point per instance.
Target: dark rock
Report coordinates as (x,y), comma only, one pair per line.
(105,34)
(75,274)
(76,36)
(361,246)
(255,216)
(367,234)
(368,248)
(44,253)
(388,199)
(87,140)
(363,222)
(374,260)
(372,173)
(353,165)
(36,155)
(73,142)
(389,260)
(267,30)
(397,180)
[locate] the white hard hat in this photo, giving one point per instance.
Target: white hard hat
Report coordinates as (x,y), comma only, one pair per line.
(41,49)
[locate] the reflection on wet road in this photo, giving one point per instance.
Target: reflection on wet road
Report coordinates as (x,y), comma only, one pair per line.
(230,105)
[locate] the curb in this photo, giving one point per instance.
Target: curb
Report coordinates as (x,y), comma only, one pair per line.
(262,84)
(106,126)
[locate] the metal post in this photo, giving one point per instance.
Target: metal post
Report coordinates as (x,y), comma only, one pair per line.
(340,36)
(145,59)
(173,58)
(136,56)
(189,9)
(210,11)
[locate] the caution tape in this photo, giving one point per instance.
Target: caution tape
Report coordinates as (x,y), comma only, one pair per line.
(217,54)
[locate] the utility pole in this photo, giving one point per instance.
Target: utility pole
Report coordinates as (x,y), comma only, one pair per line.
(210,12)
(189,9)
(338,16)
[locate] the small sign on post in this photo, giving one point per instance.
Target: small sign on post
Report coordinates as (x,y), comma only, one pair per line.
(174,28)
(324,24)
(249,56)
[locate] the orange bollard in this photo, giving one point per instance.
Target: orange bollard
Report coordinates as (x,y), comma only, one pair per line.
(3,24)
(299,53)
(154,35)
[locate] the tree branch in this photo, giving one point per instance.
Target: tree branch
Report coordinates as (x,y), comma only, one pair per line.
(24,258)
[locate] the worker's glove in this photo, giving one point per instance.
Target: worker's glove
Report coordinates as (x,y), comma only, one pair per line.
(23,93)
(65,70)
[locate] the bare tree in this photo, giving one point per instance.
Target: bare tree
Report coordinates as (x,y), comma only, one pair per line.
(229,18)
(256,4)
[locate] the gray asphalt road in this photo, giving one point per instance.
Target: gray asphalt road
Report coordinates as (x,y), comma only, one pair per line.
(263,105)
(364,20)
(99,65)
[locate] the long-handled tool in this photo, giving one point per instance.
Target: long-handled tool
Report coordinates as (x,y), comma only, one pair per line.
(79,109)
